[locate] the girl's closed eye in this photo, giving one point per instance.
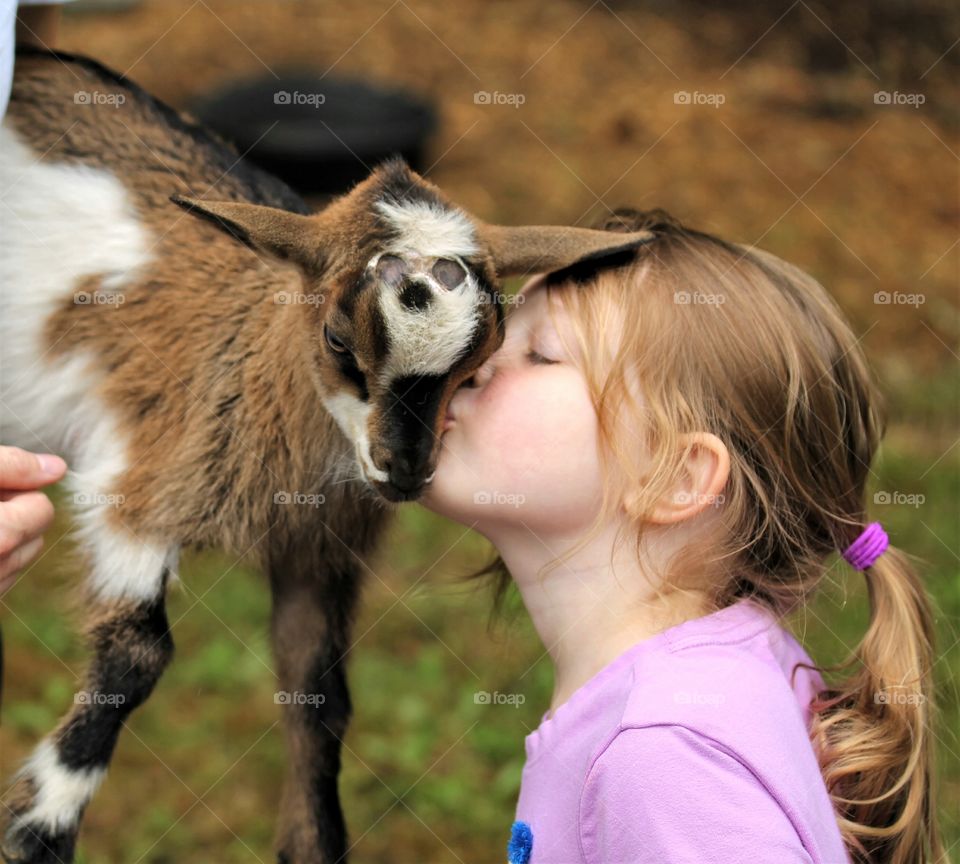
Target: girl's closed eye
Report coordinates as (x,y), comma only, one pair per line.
(536,357)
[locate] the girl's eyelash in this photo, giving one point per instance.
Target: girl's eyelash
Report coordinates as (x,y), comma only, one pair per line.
(536,357)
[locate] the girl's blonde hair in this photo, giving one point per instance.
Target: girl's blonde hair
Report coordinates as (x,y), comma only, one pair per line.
(732,340)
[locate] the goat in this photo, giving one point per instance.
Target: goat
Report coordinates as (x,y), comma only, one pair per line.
(195,407)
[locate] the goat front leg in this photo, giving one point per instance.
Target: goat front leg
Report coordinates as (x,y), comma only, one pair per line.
(131,643)
(310,628)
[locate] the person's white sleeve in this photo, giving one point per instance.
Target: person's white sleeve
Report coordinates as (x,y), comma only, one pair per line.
(8,27)
(8,23)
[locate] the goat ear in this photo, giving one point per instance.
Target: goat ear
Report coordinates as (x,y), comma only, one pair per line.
(543,248)
(288,237)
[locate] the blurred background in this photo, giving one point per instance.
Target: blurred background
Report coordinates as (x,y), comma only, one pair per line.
(825,133)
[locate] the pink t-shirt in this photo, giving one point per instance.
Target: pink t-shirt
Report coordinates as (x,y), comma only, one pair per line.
(690,747)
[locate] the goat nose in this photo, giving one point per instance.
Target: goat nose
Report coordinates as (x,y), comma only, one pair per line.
(403,472)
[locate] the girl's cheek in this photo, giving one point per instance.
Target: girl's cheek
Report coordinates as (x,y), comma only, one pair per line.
(533,422)
(512,412)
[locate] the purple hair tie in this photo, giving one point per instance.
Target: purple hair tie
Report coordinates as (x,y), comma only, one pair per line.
(869,546)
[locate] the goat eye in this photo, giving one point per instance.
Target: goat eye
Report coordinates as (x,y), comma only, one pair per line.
(334,342)
(449,273)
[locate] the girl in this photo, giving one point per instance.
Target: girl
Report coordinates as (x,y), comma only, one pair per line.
(665,452)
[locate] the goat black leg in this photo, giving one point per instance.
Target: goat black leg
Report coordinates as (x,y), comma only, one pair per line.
(312,609)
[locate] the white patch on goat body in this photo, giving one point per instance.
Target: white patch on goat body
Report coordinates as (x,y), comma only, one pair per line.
(351,415)
(58,224)
(122,565)
(61,792)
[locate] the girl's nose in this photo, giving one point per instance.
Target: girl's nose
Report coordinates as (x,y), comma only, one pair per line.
(484,373)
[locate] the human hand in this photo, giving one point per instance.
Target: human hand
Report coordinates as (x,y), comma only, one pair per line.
(25,512)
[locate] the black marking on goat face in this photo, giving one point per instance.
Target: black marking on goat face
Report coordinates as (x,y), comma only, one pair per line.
(426,274)
(347,366)
(355,322)
(354,288)
(404,434)
(406,443)
(493,322)
(406,397)
(359,313)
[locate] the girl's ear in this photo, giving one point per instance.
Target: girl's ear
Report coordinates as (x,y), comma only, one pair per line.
(700,485)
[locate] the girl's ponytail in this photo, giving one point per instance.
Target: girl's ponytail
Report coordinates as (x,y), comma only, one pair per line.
(873,729)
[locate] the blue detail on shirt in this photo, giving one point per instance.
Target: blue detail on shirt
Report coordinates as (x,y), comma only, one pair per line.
(521,843)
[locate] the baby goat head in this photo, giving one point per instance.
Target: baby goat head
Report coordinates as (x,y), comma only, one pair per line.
(401,303)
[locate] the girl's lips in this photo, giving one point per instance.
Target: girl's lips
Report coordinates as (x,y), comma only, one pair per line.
(450,417)
(454,407)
